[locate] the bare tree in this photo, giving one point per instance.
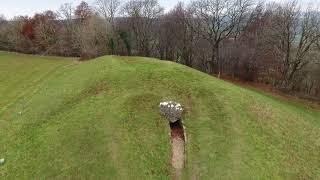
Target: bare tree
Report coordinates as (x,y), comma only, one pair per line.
(65,13)
(3,33)
(83,11)
(2,19)
(143,16)
(176,40)
(297,33)
(309,36)
(108,9)
(67,40)
(217,20)
(45,30)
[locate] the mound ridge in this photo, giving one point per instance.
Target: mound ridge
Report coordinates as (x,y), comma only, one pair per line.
(96,119)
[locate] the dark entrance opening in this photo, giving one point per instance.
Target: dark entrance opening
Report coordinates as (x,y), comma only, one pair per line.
(177,130)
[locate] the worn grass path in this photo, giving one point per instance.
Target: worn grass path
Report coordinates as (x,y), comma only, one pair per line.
(100,119)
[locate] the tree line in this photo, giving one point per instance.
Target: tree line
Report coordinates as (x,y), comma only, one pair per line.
(271,43)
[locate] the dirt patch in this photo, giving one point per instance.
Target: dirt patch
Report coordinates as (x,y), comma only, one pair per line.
(96,89)
(178,148)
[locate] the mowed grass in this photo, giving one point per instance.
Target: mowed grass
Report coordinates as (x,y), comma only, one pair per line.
(60,119)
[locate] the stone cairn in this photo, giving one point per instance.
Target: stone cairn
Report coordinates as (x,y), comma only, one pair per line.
(171,110)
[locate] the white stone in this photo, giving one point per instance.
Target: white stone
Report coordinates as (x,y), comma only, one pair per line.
(171,110)
(2,161)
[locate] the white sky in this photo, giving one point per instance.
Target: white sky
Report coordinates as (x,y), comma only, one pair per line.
(11,8)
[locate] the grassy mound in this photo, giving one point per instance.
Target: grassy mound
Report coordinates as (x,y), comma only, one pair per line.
(60,119)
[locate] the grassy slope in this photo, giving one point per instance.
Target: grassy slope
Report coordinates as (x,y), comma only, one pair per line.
(61,119)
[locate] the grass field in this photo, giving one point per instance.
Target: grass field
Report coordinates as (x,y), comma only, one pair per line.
(61,119)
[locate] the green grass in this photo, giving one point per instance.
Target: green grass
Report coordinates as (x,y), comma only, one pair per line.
(60,119)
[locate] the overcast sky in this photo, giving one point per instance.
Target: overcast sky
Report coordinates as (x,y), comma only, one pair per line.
(11,8)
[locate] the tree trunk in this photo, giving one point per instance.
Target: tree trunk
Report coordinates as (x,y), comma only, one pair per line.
(212,62)
(218,60)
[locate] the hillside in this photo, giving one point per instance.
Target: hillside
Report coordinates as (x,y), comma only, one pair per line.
(62,119)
